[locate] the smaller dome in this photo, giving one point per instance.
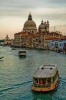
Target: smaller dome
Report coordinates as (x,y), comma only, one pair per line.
(42,25)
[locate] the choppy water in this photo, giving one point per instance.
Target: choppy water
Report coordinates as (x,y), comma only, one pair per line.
(16,74)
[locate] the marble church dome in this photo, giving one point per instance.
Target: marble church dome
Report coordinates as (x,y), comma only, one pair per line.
(30,25)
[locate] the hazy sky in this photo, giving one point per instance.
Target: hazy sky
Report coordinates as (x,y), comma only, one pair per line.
(13,14)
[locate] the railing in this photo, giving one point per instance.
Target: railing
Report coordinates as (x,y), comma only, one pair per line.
(42,85)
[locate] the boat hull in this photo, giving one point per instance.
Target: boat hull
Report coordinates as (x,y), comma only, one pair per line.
(48,89)
(22,55)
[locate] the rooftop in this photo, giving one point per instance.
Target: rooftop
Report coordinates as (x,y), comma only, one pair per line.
(45,71)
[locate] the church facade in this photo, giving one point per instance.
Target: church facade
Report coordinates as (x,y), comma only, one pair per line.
(7,41)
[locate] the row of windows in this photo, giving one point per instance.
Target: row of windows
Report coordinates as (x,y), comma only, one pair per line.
(45,82)
(42,82)
(61,44)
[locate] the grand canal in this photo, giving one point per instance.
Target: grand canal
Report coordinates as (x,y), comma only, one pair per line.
(16,74)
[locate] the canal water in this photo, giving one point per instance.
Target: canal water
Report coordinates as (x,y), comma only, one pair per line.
(16,74)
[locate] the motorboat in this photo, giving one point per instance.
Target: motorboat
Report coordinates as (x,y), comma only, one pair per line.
(22,53)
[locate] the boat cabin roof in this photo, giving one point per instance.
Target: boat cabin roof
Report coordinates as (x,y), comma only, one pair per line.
(22,51)
(45,71)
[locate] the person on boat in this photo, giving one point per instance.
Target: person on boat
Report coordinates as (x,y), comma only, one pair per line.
(41,82)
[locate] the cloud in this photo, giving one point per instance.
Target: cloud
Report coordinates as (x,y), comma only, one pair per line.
(57,1)
(24,6)
(17,11)
(19,4)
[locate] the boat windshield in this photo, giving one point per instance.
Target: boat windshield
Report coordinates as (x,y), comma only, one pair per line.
(22,51)
(42,82)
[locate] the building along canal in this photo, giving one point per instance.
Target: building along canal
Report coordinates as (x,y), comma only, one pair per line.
(16,74)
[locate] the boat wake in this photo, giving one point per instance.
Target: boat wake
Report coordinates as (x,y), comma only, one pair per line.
(22,84)
(63,80)
(62,85)
(14,87)
(6,89)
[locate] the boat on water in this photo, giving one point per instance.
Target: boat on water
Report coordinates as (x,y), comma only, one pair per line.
(22,53)
(13,48)
(46,78)
(1,57)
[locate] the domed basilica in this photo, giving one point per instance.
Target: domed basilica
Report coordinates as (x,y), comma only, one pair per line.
(31,37)
(30,25)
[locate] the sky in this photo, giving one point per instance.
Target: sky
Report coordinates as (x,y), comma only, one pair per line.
(14,13)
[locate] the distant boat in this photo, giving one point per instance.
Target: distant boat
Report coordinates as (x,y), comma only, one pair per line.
(13,48)
(1,57)
(22,54)
(45,79)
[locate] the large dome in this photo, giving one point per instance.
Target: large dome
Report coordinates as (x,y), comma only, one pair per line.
(30,25)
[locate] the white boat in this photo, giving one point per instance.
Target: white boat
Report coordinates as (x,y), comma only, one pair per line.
(46,78)
(22,53)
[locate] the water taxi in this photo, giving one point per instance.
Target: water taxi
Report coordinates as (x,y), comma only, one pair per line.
(22,53)
(46,78)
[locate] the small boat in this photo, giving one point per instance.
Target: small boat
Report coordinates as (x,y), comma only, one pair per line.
(1,57)
(46,78)
(22,53)
(13,48)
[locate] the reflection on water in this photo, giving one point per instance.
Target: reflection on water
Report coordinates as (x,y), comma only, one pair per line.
(16,74)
